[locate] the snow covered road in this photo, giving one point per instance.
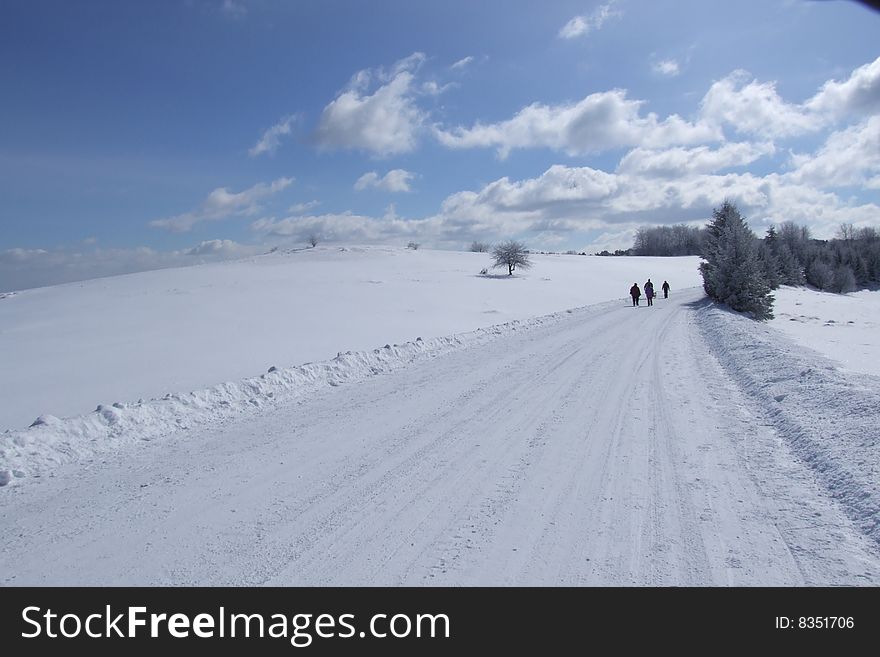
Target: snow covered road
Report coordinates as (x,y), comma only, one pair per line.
(606,448)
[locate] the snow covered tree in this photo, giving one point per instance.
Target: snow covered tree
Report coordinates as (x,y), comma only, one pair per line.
(512,254)
(790,270)
(732,273)
(820,274)
(769,265)
(844,279)
(314,239)
(479,247)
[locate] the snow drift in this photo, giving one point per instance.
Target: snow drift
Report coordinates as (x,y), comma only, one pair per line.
(50,442)
(828,416)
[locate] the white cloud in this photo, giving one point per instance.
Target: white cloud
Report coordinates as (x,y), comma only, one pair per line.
(622,237)
(462,63)
(409,64)
(21,255)
(222,248)
(271,139)
(676,162)
(753,107)
(385,123)
(345,227)
(396,180)
(599,122)
(434,88)
(850,157)
(668,67)
(583,25)
(301,208)
(581,199)
(859,94)
(608,119)
(221,203)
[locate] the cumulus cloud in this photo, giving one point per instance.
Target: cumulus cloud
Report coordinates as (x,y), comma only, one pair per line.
(584,24)
(584,199)
(271,139)
(598,122)
(677,161)
(396,180)
(858,94)
(221,203)
(756,108)
(609,119)
(222,248)
(849,157)
(753,107)
(341,227)
(667,67)
(386,122)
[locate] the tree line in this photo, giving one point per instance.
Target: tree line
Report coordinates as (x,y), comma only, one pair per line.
(741,270)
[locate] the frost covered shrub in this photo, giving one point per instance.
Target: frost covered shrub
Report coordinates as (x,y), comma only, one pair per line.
(820,275)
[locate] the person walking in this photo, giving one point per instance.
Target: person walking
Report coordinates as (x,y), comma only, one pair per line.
(649,292)
(635,293)
(665,288)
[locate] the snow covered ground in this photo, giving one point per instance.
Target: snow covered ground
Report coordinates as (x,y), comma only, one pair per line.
(66,349)
(844,327)
(593,444)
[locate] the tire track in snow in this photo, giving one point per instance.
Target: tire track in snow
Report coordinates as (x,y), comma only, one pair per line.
(605,448)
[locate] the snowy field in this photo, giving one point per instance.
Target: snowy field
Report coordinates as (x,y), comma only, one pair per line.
(68,348)
(426,425)
(843,327)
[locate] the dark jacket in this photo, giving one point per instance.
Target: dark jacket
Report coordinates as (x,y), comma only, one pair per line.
(634,291)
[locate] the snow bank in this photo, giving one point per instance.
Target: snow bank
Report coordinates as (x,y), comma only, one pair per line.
(51,442)
(829,417)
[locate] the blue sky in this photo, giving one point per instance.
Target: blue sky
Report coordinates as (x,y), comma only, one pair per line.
(143,134)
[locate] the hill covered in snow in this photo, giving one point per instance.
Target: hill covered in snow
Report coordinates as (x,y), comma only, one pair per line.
(68,348)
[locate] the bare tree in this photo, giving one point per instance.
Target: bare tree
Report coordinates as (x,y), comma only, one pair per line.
(480,247)
(413,245)
(313,240)
(513,254)
(846,232)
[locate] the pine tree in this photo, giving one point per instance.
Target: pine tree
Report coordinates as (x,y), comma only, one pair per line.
(790,270)
(769,265)
(732,273)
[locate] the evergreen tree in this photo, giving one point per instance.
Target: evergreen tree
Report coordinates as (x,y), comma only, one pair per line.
(771,239)
(732,273)
(769,265)
(790,270)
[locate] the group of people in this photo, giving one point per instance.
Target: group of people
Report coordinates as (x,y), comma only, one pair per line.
(636,293)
